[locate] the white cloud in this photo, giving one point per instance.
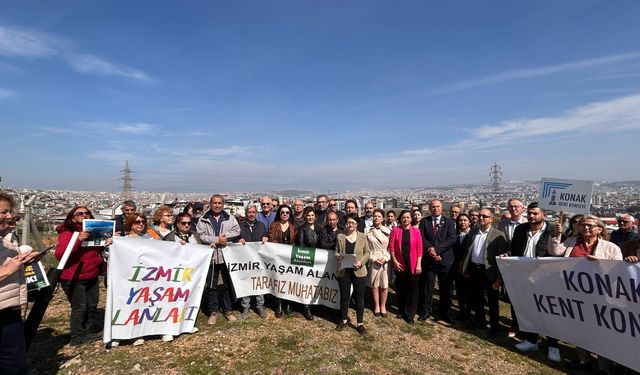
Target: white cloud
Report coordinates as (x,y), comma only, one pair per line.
(423,151)
(134,128)
(24,43)
(6,94)
(90,64)
(610,116)
(32,44)
(223,151)
(535,72)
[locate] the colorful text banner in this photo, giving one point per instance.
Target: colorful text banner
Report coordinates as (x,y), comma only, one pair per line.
(592,304)
(154,287)
(299,274)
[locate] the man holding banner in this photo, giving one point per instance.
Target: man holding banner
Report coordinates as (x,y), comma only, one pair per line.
(531,240)
(216,228)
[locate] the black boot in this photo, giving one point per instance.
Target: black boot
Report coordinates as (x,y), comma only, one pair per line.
(306,312)
(278,310)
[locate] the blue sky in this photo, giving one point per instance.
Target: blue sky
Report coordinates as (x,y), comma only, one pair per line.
(322,95)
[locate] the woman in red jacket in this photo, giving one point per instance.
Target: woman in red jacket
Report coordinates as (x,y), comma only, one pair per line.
(405,246)
(79,279)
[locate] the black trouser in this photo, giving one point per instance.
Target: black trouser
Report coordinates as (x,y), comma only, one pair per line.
(214,289)
(83,296)
(407,288)
(479,285)
(13,350)
(358,283)
(428,285)
(462,292)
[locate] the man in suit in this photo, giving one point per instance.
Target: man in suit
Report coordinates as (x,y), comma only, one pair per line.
(484,244)
(531,240)
(366,221)
(516,209)
(438,236)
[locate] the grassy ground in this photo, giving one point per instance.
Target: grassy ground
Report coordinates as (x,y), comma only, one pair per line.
(293,346)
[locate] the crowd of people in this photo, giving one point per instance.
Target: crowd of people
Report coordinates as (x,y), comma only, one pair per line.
(405,251)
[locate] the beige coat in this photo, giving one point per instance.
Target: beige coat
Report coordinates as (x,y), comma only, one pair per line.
(604,249)
(361,251)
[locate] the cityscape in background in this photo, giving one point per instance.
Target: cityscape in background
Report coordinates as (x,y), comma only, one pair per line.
(48,208)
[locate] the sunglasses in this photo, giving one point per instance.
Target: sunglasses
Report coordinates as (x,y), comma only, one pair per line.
(265,204)
(623,221)
(140,222)
(484,216)
(284,212)
(82,213)
(185,222)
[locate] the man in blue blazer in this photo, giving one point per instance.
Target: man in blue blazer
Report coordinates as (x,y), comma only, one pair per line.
(438,237)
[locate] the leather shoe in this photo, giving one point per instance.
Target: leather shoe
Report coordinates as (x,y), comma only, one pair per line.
(341,325)
(376,314)
(307,313)
(423,317)
(287,308)
(361,330)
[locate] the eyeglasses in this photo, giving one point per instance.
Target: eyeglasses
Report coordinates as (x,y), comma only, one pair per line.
(140,222)
(588,226)
(129,210)
(484,216)
(265,204)
(623,221)
(185,222)
(81,213)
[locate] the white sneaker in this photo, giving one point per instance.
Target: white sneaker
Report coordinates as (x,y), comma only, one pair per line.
(167,338)
(138,342)
(526,346)
(554,354)
(114,344)
(194,330)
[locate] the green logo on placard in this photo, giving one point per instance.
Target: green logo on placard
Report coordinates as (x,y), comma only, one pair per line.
(303,256)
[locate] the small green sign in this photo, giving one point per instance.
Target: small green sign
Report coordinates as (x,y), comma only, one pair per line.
(303,256)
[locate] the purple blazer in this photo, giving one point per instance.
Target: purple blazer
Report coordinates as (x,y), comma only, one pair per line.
(395,246)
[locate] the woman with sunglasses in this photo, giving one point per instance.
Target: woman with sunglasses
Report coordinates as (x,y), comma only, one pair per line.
(136,226)
(79,278)
(283,231)
(182,232)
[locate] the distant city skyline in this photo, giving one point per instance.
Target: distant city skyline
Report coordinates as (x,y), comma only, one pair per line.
(250,96)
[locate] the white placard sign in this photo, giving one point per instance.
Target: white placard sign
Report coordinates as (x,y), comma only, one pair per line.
(154,287)
(565,195)
(300,274)
(594,305)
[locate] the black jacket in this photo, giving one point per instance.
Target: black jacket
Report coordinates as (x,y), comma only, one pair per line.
(255,235)
(305,236)
(520,238)
(442,242)
(328,237)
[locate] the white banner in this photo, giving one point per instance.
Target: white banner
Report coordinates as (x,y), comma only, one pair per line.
(591,304)
(565,195)
(154,287)
(300,274)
